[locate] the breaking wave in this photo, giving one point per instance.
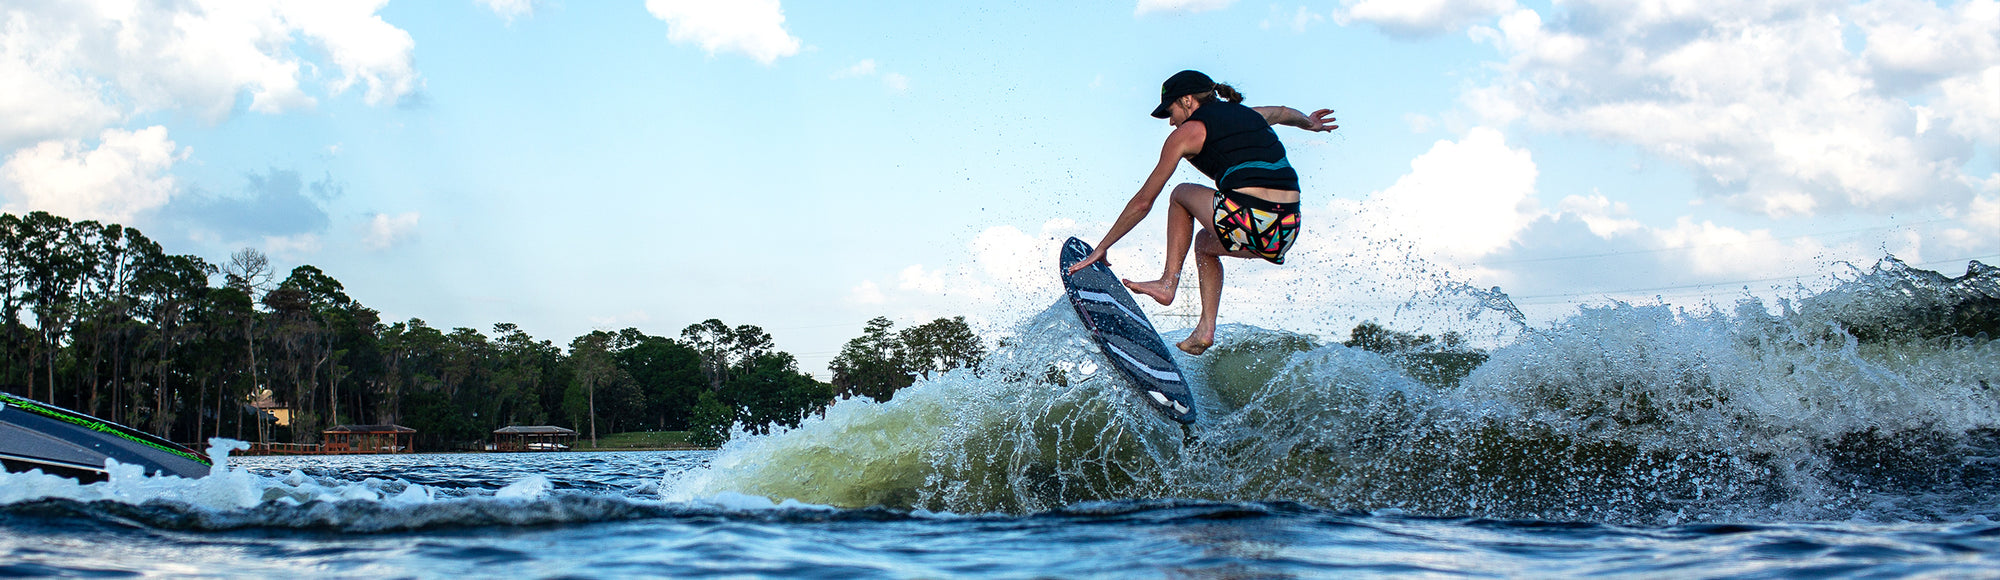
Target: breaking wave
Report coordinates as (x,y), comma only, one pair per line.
(1871,400)
(373,494)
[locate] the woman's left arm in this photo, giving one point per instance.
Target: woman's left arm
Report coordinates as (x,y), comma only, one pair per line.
(1318,121)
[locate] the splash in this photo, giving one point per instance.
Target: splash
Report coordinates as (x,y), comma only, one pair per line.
(235,498)
(1870,400)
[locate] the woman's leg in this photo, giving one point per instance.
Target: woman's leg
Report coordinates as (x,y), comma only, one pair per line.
(1208,269)
(1190,205)
(1208,254)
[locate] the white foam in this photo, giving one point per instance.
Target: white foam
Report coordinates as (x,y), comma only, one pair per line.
(218,453)
(414,494)
(743,502)
(1622,413)
(530,487)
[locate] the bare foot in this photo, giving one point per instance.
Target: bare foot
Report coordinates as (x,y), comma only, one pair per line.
(1161,290)
(1195,345)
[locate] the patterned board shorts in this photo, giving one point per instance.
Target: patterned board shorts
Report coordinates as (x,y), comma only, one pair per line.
(1266,228)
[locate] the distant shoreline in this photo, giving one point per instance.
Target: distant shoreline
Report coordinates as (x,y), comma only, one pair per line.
(631,441)
(585,451)
(649,449)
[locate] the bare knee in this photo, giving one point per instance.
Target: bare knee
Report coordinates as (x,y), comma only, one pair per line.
(1205,243)
(1193,196)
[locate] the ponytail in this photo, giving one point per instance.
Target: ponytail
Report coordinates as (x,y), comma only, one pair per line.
(1226,92)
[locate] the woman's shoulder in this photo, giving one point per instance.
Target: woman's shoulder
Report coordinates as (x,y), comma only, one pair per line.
(1227,113)
(1221,108)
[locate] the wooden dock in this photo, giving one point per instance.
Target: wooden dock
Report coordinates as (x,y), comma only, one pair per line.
(312,449)
(345,440)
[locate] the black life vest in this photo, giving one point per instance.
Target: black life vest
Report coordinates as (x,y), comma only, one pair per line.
(1241,149)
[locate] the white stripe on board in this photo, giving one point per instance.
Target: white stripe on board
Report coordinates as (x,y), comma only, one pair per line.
(1158,374)
(1102,297)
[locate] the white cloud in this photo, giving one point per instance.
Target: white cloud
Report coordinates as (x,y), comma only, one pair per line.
(1419,123)
(1985,213)
(895,82)
(860,69)
(626,319)
(1972,102)
(917,279)
(366,49)
(1149,6)
(509,9)
(1496,104)
(1980,226)
(293,247)
(1007,256)
(125,175)
(76,67)
(1711,250)
(867,292)
(1299,20)
(384,231)
(755,28)
(1461,199)
(1419,17)
(1914,42)
(1764,100)
(1564,258)
(1004,272)
(1468,211)
(43,99)
(1604,217)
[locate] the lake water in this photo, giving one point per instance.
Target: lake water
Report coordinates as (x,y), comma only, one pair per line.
(1625,441)
(600,515)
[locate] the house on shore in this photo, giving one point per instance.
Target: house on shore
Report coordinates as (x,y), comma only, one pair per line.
(368,439)
(532,438)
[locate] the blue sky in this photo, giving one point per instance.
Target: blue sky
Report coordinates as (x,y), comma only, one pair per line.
(805,166)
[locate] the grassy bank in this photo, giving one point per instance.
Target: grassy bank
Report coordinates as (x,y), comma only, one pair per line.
(637,441)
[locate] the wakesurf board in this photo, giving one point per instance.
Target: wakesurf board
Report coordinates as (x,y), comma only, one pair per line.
(1127,337)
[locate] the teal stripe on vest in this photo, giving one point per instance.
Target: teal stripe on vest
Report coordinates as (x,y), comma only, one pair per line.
(1281,164)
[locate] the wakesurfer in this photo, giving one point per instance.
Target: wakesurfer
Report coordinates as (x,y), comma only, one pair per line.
(1253,210)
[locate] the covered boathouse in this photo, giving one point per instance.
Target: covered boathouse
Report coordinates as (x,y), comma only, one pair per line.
(535,438)
(368,439)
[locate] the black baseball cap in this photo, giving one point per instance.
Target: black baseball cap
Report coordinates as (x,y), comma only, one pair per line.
(1182,84)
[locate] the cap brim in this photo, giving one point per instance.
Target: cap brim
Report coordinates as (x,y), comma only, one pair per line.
(1160,112)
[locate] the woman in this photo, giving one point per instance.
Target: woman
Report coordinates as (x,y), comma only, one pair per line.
(1253,211)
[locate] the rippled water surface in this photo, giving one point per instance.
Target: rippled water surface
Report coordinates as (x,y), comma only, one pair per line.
(599,516)
(1850,433)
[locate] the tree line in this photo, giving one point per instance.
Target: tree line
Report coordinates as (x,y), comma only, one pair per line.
(97,317)
(1438,361)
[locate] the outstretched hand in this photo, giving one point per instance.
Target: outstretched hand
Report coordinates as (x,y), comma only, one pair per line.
(1320,121)
(1096,255)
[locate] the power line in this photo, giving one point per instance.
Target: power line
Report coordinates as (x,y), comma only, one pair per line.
(1702,246)
(1985,257)
(1546,298)
(1725,283)
(1659,288)
(818,326)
